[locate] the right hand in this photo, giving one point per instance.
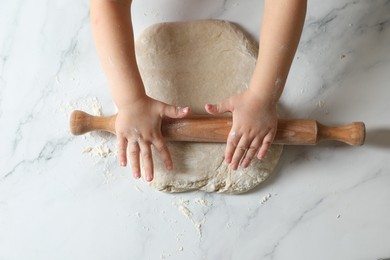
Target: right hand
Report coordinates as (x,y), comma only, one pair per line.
(138,126)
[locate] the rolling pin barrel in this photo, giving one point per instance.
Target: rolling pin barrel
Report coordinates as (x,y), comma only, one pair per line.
(216,129)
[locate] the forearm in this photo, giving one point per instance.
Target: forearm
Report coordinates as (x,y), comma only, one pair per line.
(280,33)
(113,33)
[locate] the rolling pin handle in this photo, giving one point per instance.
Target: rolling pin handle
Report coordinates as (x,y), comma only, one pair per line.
(352,134)
(81,123)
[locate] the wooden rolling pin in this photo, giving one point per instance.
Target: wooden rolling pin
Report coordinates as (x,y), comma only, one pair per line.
(216,129)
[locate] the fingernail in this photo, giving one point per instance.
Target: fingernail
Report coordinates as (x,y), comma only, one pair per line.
(228,160)
(123,164)
(149,178)
(186,109)
(169,167)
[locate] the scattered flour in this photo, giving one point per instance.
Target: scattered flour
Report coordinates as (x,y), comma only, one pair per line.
(185,211)
(152,12)
(90,105)
(99,145)
(265,198)
(321,103)
(102,150)
(178,236)
(202,202)
(87,149)
(197,219)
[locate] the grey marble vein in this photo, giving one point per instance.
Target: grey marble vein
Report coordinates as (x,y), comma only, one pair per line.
(48,88)
(292,226)
(49,151)
(321,35)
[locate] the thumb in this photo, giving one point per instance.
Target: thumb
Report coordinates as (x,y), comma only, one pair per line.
(176,112)
(216,109)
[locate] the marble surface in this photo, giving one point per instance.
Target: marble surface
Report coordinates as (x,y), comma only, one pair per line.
(65,197)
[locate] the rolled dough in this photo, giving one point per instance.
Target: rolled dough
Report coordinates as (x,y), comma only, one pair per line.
(190,64)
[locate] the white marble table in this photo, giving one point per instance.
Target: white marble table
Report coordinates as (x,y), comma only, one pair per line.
(60,199)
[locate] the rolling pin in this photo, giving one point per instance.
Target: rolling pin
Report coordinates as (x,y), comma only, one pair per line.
(216,129)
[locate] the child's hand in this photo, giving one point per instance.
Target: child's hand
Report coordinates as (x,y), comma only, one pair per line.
(253,130)
(138,126)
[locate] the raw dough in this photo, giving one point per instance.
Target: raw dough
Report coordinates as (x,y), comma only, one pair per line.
(190,64)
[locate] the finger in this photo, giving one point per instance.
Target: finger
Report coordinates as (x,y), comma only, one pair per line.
(216,109)
(176,112)
(250,153)
(231,145)
(267,141)
(147,159)
(239,152)
(163,151)
(122,144)
(133,151)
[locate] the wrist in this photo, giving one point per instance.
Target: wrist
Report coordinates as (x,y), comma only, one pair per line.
(128,92)
(126,102)
(267,89)
(264,96)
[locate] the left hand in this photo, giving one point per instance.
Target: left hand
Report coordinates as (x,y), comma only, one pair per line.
(254,126)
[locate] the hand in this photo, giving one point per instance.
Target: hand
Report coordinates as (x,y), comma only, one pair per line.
(253,130)
(138,126)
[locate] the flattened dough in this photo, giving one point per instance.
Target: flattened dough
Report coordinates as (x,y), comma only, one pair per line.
(190,64)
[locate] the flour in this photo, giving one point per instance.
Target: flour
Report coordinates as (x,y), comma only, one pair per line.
(202,202)
(99,146)
(102,150)
(278,87)
(265,198)
(321,103)
(185,211)
(87,149)
(196,219)
(178,237)
(90,105)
